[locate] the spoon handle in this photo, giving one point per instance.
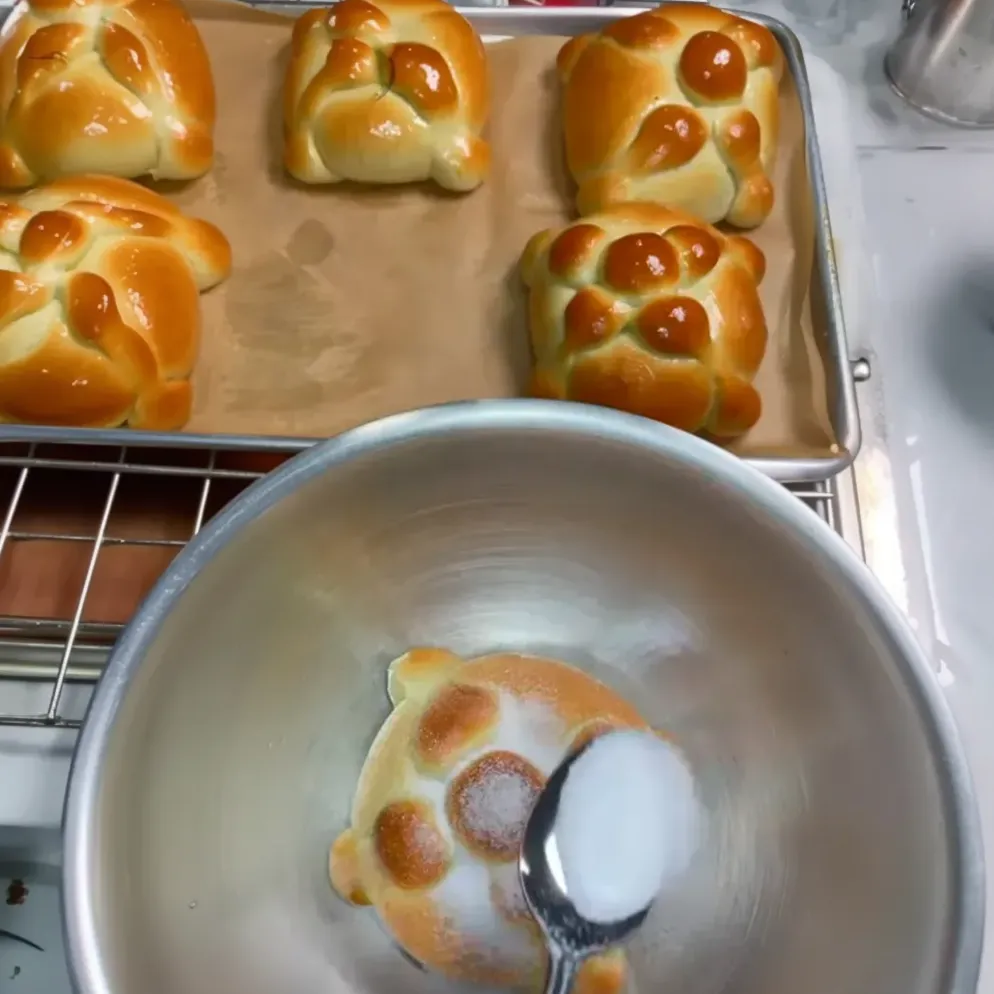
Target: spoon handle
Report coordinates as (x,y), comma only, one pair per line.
(562,972)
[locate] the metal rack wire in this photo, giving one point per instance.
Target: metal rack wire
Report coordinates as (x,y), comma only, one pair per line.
(86,532)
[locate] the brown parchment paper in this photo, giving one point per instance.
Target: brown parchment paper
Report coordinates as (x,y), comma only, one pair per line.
(347,304)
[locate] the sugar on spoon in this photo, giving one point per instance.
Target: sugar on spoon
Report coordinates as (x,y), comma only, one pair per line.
(616,823)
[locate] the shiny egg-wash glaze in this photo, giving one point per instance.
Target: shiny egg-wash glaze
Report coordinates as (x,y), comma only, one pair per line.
(687,113)
(650,311)
(100,282)
(120,87)
(391,92)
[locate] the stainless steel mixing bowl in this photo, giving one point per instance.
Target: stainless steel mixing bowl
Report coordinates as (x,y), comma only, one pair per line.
(841,854)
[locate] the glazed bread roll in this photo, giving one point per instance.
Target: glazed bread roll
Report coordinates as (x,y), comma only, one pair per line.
(99,304)
(389,92)
(648,310)
(686,113)
(120,87)
(442,802)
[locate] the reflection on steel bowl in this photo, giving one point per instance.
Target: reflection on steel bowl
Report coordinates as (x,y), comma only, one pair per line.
(841,849)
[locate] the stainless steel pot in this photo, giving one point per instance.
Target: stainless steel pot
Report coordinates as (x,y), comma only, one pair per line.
(942,62)
(842,852)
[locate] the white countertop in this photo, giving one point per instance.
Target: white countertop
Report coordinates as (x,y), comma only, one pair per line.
(925,316)
(933,264)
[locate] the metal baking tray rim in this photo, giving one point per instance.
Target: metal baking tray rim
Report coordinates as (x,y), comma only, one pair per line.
(508,21)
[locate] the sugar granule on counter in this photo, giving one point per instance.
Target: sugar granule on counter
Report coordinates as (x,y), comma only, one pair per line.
(628,822)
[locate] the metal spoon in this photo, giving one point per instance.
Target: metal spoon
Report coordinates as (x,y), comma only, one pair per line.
(570,937)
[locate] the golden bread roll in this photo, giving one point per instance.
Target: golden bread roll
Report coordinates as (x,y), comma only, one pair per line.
(389,92)
(120,87)
(678,106)
(648,310)
(442,802)
(99,304)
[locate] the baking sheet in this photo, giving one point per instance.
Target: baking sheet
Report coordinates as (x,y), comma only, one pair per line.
(348,304)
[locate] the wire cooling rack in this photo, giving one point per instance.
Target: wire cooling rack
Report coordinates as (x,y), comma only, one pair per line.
(85,534)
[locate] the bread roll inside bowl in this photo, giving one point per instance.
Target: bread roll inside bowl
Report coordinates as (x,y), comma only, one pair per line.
(119,87)
(100,283)
(221,755)
(442,802)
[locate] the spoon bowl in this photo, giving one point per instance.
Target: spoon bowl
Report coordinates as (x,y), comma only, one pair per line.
(570,937)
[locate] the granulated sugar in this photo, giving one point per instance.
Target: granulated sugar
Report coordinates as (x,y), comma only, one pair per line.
(628,822)
(531,729)
(497,807)
(465,898)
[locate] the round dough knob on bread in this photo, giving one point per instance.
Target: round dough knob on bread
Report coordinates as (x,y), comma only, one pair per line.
(442,802)
(489,801)
(394,91)
(118,87)
(459,719)
(100,283)
(687,113)
(409,844)
(648,310)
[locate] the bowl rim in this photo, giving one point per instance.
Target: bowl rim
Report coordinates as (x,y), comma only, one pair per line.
(83,946)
